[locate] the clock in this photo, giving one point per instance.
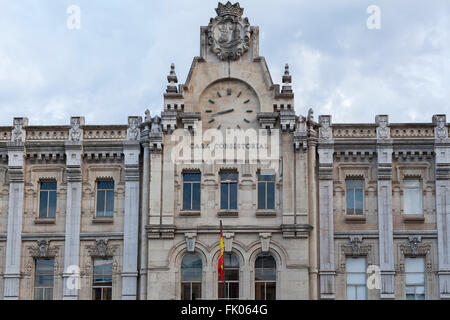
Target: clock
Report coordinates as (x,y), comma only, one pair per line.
(229,104)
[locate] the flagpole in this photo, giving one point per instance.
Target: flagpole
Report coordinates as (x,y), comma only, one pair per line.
(223,274)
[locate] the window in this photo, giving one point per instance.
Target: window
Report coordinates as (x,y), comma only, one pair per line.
(191,277)
(412,197)
(105,198)
(191,191)
(228,190)
(47,200)
(356,279)
(43,279)
(102,279)
(415,278)
(266,192)
(230,277)
(265,277)
(355,197)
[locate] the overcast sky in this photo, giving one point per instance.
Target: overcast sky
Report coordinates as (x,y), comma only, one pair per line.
(116,64)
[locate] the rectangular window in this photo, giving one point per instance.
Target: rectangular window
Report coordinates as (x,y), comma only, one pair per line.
(266,192)
(47,199)
(355,197)
(102,279)
(43,279)
(412,197)
(228,190)
(356,279)
(415,278)
(191,191)
(105,198)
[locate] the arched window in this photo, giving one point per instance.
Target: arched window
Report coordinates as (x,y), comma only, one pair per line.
(191,277)
(265,277)
(229,289)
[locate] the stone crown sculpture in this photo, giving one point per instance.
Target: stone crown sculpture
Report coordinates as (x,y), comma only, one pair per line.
(229,9)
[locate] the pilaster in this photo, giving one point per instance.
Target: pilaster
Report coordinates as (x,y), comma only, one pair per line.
(16,153)
(326,234)
(442,165)
(385,228)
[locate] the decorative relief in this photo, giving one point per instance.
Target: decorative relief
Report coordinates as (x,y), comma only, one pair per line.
(190,241)
(228,238)
(42,249)
(414,247)
(441,130)
(383,130)
(355,247)
(102,248)
(265,241)
(354,132)
(133,132)
(114,134)
(325,131)
(18,132)
(229,33)
(75,133)
(60,135)
(402,132)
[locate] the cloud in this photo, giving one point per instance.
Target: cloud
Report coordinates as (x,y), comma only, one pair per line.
(119,60)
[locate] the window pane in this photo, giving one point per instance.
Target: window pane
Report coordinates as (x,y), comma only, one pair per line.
(271,291)
(259,291)
(351,293)
(233,195)
(100,203)
(196,196)
(414,265)
(350,201)
(187,196)
(52,204)
(224,196)
(43,202)
(49,186)
(229,176)
(192,177)
(105,185)
(266,177)
(191,268)
(271,195)
(261,195)
(411,183)
(231,260)
(412,201)
(230,275)
(357,183)
(196,291)
(361,293)
(359,201)
(185,291)
(356,265)
(109,203)
(233,290)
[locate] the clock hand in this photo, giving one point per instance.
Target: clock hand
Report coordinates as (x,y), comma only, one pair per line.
(222,112)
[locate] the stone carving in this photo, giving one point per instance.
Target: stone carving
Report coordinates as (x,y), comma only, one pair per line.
(133,132)
(265,241)
(414,247)
(355,247)
(43,250)
(173,80)
(311,115)
(156,125)
(18,133)
(383,130)
(228,238)
(101,249)
(190,241)
(75,134)
(148,117)
(229,33)
(441,131)
(325,131)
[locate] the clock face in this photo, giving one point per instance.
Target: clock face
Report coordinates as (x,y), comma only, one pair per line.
(229,104)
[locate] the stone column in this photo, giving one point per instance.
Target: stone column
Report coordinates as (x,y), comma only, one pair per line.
(326,233)
(131,150)
(144,222)
(385,229)
(74,152)
(442,167)
(16,153)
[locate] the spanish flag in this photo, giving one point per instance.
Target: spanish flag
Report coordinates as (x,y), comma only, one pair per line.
(221,256)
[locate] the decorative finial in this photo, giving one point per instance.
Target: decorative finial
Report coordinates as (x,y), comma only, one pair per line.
(287,79)
(173,80)
(229,9)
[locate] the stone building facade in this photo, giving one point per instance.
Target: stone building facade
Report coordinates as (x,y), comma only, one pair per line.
(310,209)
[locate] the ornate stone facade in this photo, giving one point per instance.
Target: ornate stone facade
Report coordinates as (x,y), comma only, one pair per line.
(148,229)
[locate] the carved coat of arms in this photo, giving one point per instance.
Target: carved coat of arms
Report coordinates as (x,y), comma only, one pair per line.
(229,33)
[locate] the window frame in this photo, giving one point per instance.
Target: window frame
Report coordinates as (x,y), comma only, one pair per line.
(419,189)
(354,209)
(424,284)
(101,287)
(190,283)
(265,281)
(266,192)
(191,185)
(47,192)
(229,183)
(356,286)
(44,289)
(105,190)
(227,282)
